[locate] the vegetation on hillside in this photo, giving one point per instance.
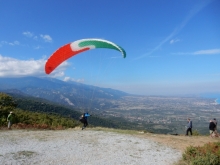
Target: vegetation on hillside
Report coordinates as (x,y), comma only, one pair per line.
(28,119)
(209,154)
(42,105)
(36,112)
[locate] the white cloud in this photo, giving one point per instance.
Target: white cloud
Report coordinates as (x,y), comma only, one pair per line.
(28,34)
(14,43)
(57,73)
(46,38)
(69,79)
(11,67)
(60,70)
(206,52)
(9,43)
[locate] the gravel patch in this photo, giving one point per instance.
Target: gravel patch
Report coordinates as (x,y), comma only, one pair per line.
(87,147)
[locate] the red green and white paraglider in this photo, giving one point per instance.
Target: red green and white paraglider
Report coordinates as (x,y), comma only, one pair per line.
(67,51)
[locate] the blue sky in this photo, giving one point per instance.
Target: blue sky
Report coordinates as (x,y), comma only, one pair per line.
(172,46)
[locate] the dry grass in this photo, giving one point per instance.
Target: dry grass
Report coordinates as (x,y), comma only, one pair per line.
(179,142)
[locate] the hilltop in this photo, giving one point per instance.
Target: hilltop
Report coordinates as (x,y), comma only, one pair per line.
(75,146)
(94,146)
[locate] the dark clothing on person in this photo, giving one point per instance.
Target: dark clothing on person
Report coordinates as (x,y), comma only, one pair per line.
(83,119)
(189,127)
(189,130)
(85,123)
(189,124)
(212,126)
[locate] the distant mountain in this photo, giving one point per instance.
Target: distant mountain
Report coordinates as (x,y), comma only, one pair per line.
(71,94)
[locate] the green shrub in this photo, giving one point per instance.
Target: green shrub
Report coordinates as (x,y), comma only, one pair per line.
(209,154)
(49,120)
(195,133)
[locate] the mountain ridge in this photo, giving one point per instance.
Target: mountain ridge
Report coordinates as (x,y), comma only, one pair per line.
(72,94)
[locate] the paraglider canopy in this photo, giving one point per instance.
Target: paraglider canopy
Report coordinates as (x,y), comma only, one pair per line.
(76,47)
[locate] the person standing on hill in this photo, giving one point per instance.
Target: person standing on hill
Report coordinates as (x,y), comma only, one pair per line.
(84,120)
(9,120)
(212,128)
(189,127)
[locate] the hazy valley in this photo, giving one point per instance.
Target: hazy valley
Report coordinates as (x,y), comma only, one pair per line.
(157,114)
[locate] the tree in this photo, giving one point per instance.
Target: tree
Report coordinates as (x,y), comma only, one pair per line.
(6,102)
(6,105)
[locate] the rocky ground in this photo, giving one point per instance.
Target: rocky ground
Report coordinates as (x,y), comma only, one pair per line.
(87,147)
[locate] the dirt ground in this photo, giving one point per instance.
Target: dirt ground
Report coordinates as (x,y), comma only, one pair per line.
(83,147)
(180,142)
(93,146)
